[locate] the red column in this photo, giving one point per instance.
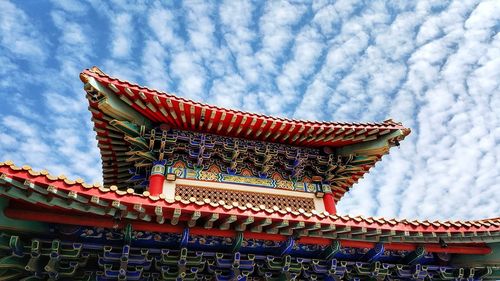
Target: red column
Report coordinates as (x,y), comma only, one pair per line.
(156,179)
(329,203)
(156,184)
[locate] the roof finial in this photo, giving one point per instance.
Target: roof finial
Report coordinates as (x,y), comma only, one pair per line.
(96,69)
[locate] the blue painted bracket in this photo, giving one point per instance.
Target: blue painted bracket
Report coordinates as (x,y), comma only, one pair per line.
(160,162)
(184,238)
(237,242)
(414,256)
(288,246)
(331,250)
(374,253)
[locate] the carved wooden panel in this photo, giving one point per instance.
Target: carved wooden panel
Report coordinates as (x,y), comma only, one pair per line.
(243,198)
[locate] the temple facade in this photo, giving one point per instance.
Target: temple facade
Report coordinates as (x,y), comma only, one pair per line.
(197,192)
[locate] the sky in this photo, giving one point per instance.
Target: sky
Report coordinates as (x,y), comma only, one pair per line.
(433,65)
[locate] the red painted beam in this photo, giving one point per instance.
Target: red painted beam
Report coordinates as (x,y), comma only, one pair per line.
(23,214)
(131,199)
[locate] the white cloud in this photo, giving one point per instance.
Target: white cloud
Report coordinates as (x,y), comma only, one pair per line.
(70,6)
(200,26)
(18,35)
(452,139)
(163,24)
(123,35)
(191,76)
(19,126)
(154,68)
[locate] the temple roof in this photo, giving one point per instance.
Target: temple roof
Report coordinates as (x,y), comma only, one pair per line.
(120,109)
(39,189)
(186,114)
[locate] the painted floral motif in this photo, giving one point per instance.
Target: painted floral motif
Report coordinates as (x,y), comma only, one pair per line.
(219,177)
(248,180)
(179,164)
(277,176)
(207,176)
(214,169)
(191,174)
(284,184)
(306,179)
(310,187)
(179,172)
(299,186)
(246,172)
(327,188)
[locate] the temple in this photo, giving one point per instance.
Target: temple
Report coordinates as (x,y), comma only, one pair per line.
(197,192)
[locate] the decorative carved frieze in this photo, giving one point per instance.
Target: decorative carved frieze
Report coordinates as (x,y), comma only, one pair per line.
(243,198)
(282,164)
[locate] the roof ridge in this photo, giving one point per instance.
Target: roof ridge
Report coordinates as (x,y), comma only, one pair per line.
(47,174)
(388,122)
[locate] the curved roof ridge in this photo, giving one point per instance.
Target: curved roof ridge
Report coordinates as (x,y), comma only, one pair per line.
(388,122)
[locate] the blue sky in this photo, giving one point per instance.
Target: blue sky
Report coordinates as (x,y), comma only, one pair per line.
(433,66)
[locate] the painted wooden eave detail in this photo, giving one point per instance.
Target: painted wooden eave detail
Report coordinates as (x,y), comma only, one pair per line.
(186,114)
(113,106)
(142,105)
(376,147)
(58,192)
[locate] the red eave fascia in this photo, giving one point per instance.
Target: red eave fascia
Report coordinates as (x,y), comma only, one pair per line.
(187,115)
(75,219)
(150,203)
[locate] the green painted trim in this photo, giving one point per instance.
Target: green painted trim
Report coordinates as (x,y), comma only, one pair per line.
(128,128)
(115,107)
(331,250)
(479,260)
(364,148)
(128,234)
(19,225)
(237,242)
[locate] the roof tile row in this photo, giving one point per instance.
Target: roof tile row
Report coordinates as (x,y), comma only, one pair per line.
(96,72)
(493,223)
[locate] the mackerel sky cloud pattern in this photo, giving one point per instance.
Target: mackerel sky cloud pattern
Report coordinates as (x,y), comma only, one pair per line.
(433,66)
